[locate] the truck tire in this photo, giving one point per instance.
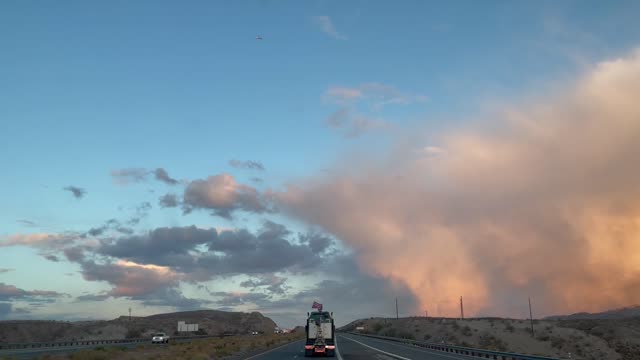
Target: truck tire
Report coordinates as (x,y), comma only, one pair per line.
(308,353)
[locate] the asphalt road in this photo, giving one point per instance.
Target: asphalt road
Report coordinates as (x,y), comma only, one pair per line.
(353,347)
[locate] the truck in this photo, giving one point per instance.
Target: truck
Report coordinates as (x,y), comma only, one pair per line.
(320,332)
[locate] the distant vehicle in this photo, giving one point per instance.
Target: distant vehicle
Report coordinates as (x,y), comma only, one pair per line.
(160,338)
(320,331)
(254,333)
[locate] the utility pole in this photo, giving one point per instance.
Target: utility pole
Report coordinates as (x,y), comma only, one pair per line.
(397,317)
(426,313)
(461,309)
(531,318)
(129,314)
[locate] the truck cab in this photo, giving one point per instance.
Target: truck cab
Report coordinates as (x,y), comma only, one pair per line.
(320,330)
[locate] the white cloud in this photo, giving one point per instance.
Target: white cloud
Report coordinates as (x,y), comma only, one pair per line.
(326,25)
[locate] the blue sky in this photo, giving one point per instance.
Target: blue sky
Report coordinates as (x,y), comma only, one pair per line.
(87,88)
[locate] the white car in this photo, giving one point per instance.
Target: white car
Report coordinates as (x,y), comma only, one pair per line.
(160,338)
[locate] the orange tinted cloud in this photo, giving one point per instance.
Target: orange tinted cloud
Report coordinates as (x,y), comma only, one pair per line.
(543,199)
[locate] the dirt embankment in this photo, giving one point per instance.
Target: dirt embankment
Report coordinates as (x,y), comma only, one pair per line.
(595,340)
(210,322)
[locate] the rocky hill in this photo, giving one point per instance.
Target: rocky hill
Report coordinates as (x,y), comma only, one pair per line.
(622,313)
(210,322)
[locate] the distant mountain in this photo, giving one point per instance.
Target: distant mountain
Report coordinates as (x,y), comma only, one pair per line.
(616,314)
(210,322)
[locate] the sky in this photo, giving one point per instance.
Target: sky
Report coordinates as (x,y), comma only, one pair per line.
(262,155)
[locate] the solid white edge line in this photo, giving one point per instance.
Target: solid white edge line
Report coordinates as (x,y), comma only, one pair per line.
(270,350)
(421,349)
(378,350)
(337,350)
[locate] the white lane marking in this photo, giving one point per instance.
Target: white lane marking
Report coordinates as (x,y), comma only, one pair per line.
(378,350)
(428,351)
(268,351)
(337,350)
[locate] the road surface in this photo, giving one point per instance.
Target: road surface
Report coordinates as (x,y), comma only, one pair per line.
(353,347)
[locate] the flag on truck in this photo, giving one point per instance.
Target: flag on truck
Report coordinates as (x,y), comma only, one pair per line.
(316,305)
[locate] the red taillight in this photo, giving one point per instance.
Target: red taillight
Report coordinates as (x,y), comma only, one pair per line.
(308,347)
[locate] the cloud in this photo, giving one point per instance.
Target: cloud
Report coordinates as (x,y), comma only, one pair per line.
(223,195)
(341,286)
(271,283)
(51,257)
(77,192)
(432,150)
(12,293)
(142,211)
(317,242)
(353,125)
(249,164)
(4,270)
(27,223)
(225,253)
(326,25)
(93,297)
(257,180)
(129,175)
(542,198)
(174,298)
(168,201)
(344,94)
(110,225)
(162,246)
(38,240)
(374,95)
(130,279)
(162,175)
(5,310)
(137,175)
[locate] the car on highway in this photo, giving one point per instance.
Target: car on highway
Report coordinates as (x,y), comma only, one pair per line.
(160,338)
(254,333)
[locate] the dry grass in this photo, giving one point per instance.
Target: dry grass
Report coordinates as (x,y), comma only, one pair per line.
(202,349)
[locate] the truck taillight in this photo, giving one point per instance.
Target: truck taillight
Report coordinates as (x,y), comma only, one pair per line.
(308,347)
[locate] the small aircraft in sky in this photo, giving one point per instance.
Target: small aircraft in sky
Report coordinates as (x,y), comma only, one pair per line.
(258,37)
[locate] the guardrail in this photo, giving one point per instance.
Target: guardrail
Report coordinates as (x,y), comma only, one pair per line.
(57,344)
(479,353)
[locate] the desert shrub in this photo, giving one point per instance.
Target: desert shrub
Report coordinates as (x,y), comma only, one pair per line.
(391,332)
(406,335)
(466,331)
(455,325)
(543,337)
(490,342)
(426,337)
(377,327)
(509,328)
(133,333)
(557,342)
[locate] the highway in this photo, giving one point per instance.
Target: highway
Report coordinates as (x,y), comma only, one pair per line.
(353,347)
